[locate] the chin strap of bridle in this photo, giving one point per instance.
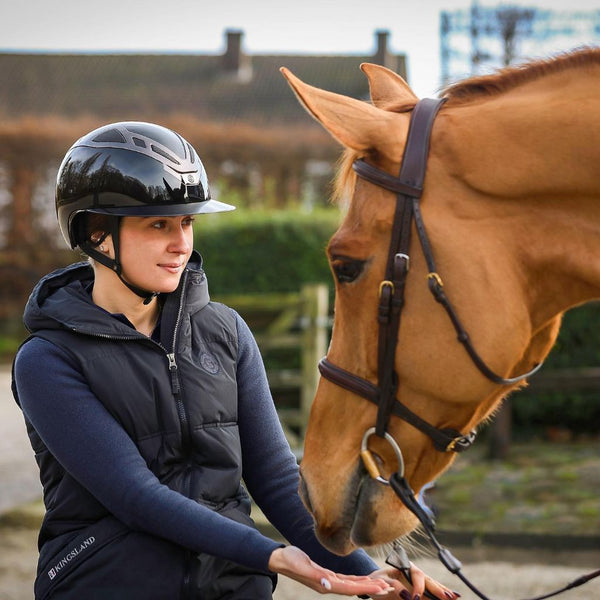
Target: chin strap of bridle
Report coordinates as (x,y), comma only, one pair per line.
(91,249)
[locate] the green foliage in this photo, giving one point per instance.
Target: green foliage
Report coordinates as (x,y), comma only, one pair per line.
(578,412)
(258,251)
(578,345)
(8,347)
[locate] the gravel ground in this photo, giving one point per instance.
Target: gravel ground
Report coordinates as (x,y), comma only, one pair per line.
(503,574)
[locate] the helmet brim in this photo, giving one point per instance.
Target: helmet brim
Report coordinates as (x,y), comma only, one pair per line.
(166,210)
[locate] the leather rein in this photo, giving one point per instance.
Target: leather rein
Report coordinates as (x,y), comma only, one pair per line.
(408,187)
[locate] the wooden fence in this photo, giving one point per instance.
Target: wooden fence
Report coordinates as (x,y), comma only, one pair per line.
(292,331)
(566,380)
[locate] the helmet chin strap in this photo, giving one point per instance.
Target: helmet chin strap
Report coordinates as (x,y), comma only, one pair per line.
(115,264)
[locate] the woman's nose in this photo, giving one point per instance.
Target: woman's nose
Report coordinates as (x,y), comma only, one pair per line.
(181,241)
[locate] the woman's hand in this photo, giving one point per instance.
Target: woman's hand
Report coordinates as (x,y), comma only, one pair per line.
(294,563)
(420,583)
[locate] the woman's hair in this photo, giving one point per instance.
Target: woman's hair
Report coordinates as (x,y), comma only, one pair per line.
(97,226)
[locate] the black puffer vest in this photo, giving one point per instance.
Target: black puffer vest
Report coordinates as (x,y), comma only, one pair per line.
(176,399)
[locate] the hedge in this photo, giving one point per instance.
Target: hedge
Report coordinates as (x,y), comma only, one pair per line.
(259,251)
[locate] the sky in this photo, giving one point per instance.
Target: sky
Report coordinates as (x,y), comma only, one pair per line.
(270,27)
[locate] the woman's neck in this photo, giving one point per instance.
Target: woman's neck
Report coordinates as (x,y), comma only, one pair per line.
(114,297)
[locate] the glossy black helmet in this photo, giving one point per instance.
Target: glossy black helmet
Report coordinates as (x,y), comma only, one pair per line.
(130,168)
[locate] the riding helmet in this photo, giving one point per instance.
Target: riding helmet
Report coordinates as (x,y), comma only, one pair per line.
(130,168)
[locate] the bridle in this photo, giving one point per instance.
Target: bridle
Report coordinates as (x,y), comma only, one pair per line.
(408,187)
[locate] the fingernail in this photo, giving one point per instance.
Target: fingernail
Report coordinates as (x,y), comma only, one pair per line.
(417,597)
(326,583)
(450,595)
(456,594)
(405,595)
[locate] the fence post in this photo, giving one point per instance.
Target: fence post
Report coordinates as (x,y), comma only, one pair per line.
(315,335)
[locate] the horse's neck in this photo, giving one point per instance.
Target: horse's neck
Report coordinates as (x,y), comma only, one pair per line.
(560,253)
(541,138)
(531,156)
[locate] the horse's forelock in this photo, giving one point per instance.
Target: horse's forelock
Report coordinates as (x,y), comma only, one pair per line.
(345,178)
(510,77)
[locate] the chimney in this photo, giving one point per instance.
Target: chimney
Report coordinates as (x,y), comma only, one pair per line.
(383,56)
(235,62)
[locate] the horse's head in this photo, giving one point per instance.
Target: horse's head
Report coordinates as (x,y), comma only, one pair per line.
(437,380)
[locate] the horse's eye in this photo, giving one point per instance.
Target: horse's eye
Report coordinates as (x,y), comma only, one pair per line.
(346,269)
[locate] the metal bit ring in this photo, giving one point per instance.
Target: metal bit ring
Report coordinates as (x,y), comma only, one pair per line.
(370,463)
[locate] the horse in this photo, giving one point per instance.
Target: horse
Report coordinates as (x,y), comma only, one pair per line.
(511,205)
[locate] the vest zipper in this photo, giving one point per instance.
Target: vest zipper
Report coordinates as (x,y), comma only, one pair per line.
(186,434)
(188,567)
(173,369)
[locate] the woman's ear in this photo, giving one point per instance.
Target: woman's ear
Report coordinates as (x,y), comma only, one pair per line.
(102,240)
(98,237)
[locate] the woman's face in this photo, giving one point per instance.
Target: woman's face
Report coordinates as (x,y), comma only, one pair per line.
(155,250)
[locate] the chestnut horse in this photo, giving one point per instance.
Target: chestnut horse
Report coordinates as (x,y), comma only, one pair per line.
(511,203)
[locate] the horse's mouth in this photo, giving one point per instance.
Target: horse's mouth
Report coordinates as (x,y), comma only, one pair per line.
(352,525)
(336,535)
(365,512)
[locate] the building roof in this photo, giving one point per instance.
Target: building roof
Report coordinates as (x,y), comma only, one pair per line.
(231,86)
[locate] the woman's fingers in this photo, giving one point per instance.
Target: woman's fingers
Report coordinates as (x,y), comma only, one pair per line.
(294,563)
(421,582)
(414,588)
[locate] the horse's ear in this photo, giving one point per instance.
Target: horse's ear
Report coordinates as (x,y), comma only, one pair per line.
(354,123)
(388,90)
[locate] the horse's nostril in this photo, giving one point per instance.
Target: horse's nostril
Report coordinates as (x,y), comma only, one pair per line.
(304,495)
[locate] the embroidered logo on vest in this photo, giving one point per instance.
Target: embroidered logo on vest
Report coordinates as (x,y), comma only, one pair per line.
(209,363)
(67,558)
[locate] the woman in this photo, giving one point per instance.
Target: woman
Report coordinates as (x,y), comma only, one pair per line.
(146,404)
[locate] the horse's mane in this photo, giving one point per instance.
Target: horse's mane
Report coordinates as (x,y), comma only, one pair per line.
(476,88)
(510,77)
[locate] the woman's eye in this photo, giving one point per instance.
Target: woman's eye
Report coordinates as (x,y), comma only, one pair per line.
(158,224)
(347,270)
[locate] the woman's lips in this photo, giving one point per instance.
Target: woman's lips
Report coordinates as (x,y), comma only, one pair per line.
(171,267)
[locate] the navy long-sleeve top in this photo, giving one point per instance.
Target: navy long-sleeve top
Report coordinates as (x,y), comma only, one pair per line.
(91,445)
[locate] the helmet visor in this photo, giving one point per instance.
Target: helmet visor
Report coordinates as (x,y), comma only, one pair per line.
(166,210)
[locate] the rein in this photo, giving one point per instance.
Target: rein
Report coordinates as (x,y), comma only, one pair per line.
(409,187)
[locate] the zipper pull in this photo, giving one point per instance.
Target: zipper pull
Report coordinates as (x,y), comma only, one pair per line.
(173,370)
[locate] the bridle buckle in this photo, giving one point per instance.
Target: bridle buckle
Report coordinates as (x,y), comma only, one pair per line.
(386,283)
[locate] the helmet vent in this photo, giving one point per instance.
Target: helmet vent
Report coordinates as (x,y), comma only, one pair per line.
(138,142)
(112,135)
(192,153)
(164,154)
